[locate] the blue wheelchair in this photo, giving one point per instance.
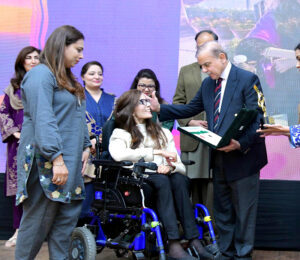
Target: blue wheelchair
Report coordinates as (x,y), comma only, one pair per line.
(120,219)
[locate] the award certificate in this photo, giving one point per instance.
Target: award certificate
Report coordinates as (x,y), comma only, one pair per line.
(242,120)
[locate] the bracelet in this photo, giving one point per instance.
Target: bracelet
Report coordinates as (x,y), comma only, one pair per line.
(59,164)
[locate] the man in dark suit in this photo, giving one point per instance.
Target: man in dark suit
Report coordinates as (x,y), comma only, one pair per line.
(189,82)
(236,166)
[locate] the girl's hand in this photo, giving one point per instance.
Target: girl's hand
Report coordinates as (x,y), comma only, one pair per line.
(163,169)
(170,156)
(274,130)
(93,148)
(17,135)
(60,171)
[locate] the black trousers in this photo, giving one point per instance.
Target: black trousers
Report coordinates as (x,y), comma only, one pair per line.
(235,207)
(172,201)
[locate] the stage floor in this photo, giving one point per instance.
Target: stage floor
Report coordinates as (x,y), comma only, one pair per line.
(8,254)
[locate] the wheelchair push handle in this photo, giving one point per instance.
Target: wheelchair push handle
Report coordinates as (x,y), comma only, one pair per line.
(98,145)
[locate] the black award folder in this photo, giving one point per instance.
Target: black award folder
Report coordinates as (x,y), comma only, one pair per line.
(242,120)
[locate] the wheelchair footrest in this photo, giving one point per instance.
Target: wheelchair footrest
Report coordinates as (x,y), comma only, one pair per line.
(117,244)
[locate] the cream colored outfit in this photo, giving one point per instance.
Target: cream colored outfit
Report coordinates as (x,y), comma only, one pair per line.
(120,143)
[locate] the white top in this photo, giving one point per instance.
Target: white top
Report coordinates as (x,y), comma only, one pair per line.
(120,142)
(224,76)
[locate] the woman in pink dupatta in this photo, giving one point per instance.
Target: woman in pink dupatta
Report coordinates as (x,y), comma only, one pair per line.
(11,119)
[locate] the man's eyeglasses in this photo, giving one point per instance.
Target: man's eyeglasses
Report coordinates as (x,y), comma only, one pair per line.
(143,86)
(145,102)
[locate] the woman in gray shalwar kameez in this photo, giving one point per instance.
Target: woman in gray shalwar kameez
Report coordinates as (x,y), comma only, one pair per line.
(54,148)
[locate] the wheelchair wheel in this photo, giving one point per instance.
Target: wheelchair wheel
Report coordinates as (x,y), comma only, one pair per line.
(83,245)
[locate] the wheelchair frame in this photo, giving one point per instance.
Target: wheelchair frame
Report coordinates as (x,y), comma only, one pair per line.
(91,239)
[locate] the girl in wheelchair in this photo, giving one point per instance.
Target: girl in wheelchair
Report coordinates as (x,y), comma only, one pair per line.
(136,136)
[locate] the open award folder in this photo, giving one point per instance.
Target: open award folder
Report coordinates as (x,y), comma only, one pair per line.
(243,119)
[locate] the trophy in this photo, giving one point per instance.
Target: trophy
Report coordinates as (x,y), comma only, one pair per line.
(262,104)
(280,119)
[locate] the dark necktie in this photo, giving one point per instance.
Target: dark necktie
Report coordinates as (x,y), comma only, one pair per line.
(217,100)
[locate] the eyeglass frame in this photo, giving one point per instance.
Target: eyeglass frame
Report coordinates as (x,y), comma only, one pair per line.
(144,86)
(145,102)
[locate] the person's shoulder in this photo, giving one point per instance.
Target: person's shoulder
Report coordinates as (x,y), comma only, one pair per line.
(167,132)
(109,94)
(119,133)
(39,76)
(189,67)
(40,69)
(39,72)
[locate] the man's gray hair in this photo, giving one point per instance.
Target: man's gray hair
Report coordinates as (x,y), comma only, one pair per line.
(213,47)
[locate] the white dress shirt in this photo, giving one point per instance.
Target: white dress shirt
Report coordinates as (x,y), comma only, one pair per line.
(224,76)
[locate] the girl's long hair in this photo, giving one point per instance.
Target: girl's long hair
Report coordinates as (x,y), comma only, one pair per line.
(19,66)
(53,56)
(124,119)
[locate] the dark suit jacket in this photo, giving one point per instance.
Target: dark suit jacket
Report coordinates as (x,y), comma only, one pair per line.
(239,93)
(189,82)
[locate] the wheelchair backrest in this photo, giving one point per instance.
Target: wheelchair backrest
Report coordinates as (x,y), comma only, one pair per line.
(107,130)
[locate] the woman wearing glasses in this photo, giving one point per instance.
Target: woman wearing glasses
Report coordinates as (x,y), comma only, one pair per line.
(136,136)
(147,82)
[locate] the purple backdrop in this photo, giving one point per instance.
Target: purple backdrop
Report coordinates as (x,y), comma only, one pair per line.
(125,36)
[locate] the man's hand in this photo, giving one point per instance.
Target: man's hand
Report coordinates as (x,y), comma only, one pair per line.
(198,123)
(233,145)
(154,104)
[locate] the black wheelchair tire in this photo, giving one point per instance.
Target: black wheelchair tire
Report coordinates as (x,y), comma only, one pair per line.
(83,245)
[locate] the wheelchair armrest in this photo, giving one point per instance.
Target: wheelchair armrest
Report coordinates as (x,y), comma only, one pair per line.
(111,163)
(188,162)
(146,165)
(126,163)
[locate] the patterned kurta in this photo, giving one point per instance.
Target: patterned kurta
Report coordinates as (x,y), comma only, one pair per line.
(97,113)
(10,122)
(54,124)
(295,136)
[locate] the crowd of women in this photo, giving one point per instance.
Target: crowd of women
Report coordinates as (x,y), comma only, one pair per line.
(47,118)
